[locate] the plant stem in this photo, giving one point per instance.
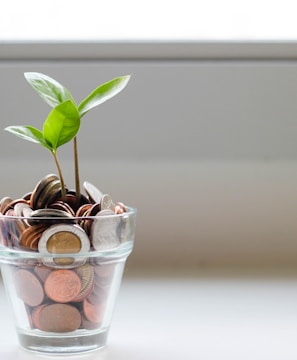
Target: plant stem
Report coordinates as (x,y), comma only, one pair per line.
(76,171)
(63,190)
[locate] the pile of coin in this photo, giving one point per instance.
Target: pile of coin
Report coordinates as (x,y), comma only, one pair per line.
(63,289)
(58,300)
(44,208)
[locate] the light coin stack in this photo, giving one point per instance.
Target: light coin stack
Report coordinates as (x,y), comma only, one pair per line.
(64,289)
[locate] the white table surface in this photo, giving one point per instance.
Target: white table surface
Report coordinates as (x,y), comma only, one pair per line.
(201,316)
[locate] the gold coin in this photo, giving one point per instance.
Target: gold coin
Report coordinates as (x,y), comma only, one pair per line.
(63,242)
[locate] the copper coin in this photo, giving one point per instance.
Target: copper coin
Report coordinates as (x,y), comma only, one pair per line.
(14,231)
(62,285)
(122,205)
(120,208)
(31,235)
(60,205)
(73,201)
(28,287)
(12,204)
(86,224)
(82,209)
(94,209)
(88,325)
(42,271)
(86,274)
(59,318)
(35,315)
(4,202)
(93,313)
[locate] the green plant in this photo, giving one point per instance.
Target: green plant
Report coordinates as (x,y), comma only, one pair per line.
(63,122)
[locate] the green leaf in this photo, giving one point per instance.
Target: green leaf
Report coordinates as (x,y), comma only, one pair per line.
(103,93)
(61,125)
(50,90)
(28,133)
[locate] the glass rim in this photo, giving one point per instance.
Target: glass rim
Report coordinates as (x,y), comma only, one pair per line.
(124,249)
(10,254)
(130,211)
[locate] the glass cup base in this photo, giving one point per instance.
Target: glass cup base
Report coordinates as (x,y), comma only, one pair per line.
(76,343)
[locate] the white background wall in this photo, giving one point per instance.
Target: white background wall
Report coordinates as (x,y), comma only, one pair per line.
(204,147)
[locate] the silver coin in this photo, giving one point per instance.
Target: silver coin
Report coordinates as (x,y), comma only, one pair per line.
(105,232)
(19,209)
(94,194)
(127,227)
(48,195)
(39,188)
(106,203)
(48,212)
(27,211)
(49,216)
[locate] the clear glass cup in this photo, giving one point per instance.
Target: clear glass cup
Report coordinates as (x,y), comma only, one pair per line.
(62,278)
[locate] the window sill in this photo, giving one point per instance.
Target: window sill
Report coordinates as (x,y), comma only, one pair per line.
(148,50)
(216,315)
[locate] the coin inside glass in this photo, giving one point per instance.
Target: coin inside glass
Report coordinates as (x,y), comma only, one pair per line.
(63,239)
(94,194)
(63,242)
